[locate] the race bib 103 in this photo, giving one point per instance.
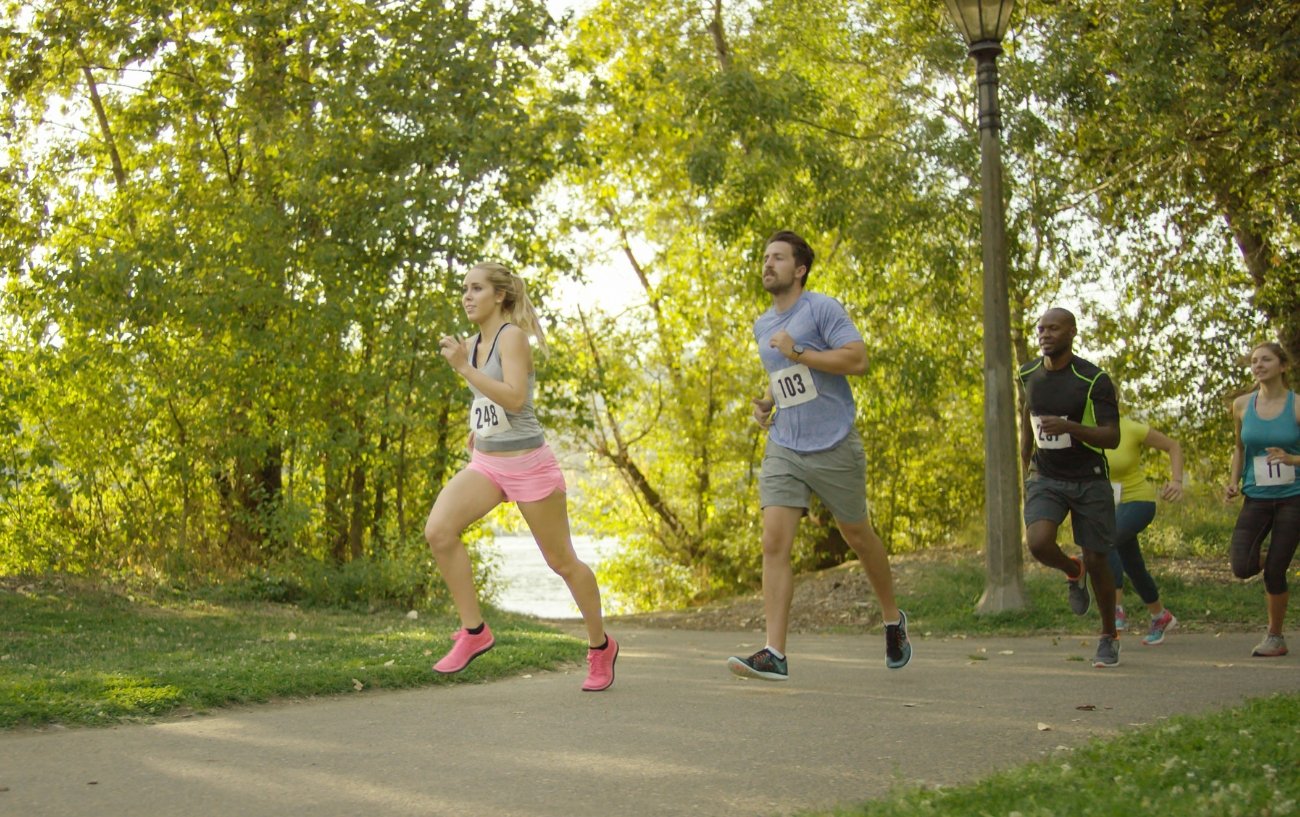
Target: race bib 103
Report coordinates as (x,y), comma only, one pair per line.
(793,386)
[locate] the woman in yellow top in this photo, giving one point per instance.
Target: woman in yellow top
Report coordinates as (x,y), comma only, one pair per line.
(1135,507)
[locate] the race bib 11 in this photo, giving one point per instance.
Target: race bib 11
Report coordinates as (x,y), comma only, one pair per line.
(1273,473)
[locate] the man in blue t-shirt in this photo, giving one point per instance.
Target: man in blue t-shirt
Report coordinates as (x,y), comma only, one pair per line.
(808,346)
(1074,413)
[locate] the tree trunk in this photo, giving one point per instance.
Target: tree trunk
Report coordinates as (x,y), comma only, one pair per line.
(101,115)
(357,529)
(1276,279)
(377,538)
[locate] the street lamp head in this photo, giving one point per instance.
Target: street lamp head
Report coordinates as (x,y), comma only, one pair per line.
(981,21)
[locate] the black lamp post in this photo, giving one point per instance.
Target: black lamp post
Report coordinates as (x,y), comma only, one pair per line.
(984,23)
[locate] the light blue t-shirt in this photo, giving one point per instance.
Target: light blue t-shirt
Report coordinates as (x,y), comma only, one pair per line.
(818,322)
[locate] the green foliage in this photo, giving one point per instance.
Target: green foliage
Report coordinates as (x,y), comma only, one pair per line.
(640,576)
(711,133)
(234,239)
(1199,527)
(1173,118)
(709,130)
(403,577)
(230,240)
(663,412)
(1202,766)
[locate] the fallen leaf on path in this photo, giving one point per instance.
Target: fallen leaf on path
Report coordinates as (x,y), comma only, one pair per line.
(1006,652)
(1222,666)
(1086,707)
(910,705)
(1042,727)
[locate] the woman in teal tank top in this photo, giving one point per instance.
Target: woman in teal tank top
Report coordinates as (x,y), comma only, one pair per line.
(1264,462)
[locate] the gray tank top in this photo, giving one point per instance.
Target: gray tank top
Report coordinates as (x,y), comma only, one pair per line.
(525,432)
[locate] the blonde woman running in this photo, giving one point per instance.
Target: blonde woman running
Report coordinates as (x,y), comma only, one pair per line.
(510,462)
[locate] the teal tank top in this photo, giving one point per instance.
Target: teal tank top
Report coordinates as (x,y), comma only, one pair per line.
(1257,435)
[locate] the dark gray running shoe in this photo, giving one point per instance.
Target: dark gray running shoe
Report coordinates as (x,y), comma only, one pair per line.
(898,649)
(1107,653)
(762,664)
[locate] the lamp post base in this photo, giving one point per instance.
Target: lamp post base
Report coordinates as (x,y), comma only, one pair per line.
(1002,598)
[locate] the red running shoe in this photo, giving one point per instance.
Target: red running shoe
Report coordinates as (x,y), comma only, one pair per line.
(468,646)
(600,666)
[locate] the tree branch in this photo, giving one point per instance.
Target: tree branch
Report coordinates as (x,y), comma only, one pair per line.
(119,172)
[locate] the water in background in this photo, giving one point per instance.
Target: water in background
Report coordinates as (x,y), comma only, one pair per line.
(529,586)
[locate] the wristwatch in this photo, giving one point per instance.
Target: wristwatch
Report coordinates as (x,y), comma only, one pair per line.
(798,350)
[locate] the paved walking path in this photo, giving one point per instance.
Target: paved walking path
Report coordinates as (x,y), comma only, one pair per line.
(676,735)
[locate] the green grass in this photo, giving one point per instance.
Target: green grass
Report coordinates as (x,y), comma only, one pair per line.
(91,657)
(1239,762)
(940,592)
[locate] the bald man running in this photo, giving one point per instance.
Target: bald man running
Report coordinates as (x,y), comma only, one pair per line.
(1074,413)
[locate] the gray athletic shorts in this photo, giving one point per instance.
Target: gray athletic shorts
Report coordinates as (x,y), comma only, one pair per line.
(838,476)
(1090,504)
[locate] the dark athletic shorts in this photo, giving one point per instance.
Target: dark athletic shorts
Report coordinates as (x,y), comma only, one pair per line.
(1090,504)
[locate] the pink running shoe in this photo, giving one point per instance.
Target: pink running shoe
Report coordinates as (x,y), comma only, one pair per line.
(600,666)
(468,646)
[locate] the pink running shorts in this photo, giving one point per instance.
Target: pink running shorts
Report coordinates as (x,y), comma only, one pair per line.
(526,478)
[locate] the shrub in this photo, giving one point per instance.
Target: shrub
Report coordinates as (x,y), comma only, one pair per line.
(405,577)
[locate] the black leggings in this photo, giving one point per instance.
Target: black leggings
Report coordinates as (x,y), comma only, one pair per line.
(1131,518)
(1257,518)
